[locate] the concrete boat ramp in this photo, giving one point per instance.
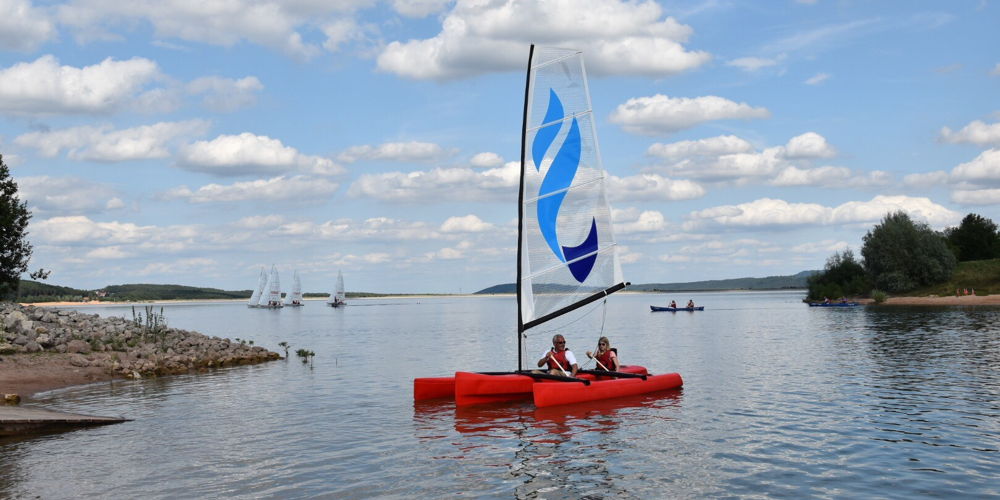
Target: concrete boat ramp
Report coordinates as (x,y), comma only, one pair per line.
(16,420)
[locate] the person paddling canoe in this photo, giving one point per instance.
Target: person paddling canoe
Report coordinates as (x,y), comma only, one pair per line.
(607,358)
(560,360)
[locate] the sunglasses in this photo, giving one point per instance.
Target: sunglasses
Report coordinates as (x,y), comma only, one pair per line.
(602,343)
(560,342)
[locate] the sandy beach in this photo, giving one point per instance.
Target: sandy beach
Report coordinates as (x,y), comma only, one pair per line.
(951,300)
(28,374)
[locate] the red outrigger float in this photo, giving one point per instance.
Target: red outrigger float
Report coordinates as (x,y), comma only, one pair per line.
(560,164)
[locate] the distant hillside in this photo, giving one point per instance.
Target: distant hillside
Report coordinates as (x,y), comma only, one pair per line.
(768,283)
(170,292)
(34,291)
(794,281)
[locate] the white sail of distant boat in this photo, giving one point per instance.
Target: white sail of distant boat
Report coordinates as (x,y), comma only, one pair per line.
(262,301)
(338,297)
(566,251)
(294,298)
(257,292)
(273,295)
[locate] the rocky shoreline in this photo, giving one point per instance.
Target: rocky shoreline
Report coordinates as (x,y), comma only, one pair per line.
(34,341)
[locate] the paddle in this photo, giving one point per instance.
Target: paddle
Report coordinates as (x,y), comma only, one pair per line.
(565,374)
(597,360)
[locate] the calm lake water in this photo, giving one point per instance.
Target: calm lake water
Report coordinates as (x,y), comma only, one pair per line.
(779,400)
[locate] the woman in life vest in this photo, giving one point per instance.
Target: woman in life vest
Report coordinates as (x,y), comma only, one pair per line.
(560,360)
(605,356)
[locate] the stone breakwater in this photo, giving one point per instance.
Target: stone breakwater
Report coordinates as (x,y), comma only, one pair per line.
(121,346)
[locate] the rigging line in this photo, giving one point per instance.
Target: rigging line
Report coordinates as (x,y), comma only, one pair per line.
(561,265)
(565,189)
(570,116)
(562,327)
(604,314)
(556,60)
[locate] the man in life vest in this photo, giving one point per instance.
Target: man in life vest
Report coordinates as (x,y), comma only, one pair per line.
(560,360)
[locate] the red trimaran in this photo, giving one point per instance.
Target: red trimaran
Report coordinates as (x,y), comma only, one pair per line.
(562,199)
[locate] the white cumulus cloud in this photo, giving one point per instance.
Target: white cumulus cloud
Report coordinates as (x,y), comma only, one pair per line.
(271,23)
(976,196)
(66,195)
(983,168)
(439,184)
(773,212)
(102,143)
(419,8)
(396,151)
(81,229)
(808,145)
(465,224)
(247,153)
(977,132)
(712,146)
(22,26)
(297,188)
(44,87)
(662,115)
(486,160)
(652,187)
(478,37)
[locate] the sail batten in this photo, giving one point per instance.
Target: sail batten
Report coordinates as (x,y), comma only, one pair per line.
(581,184)
(562,120)
(567,256)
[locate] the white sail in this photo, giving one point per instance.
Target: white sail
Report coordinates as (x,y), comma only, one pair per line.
(566,250)
(262,302)
(339,296)
(274,289)
(294,298)
(257,292)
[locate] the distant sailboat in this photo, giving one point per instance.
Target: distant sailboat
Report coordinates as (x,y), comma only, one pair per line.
(338,297)
(255,296)
(294,298)
(272,297)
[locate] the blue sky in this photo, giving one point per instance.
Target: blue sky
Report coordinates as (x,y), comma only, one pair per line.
(193,142)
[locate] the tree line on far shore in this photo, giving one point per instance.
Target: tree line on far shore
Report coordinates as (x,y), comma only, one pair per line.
(900,255)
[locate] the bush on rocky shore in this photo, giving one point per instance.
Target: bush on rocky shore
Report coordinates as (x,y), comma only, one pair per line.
(123,347)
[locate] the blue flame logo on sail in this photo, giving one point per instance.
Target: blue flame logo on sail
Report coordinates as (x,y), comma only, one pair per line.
(557,179)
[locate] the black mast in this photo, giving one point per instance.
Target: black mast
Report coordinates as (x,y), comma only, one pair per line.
(520,204)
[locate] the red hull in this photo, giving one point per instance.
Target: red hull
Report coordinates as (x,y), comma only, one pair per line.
(478,388)
(548,393)
(433,387)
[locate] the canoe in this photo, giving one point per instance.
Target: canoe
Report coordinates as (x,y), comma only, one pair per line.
(547,393)
(675,309)
(834,304)
(486,387)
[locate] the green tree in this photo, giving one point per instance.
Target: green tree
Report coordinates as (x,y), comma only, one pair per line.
(15,251)
(901,255)
(976,238)
(843,275)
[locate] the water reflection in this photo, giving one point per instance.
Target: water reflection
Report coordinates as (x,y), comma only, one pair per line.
(568,451)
